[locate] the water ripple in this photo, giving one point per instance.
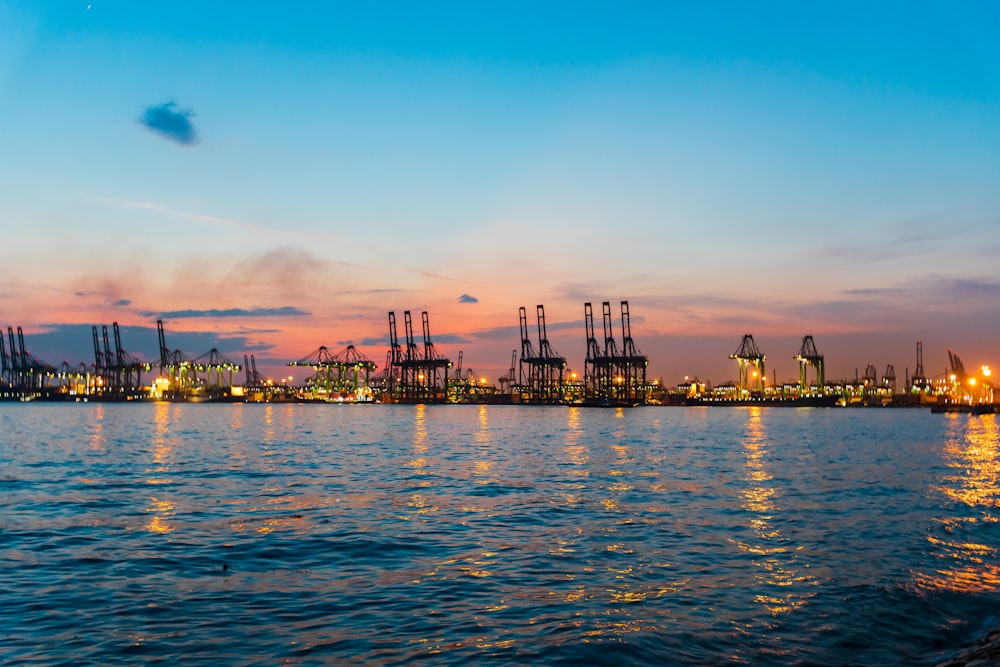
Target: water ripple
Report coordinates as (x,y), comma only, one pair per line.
(454,535)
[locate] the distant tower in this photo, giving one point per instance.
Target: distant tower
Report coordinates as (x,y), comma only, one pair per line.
(919,379)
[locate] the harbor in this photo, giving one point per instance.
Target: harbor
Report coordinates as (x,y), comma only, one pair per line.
(416,371)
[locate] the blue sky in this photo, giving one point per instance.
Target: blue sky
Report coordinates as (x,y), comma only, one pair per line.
(788,169)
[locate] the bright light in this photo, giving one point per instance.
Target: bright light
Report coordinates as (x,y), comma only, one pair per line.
(972,382)
(986,371)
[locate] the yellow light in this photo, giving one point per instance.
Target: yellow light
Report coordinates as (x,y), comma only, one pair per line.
(986,371)
(952,377)
(972,382)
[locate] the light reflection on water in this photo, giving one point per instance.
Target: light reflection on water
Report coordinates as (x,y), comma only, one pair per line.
(159,509)
(776,558)
(456,534)
(966,562)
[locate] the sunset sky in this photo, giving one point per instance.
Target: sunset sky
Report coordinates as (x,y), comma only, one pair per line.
(272,177)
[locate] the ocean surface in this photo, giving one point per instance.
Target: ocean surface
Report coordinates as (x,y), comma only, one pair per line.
(446,535)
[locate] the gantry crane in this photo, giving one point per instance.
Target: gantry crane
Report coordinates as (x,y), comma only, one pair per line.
(747,356)
(507,382)
(869,380)
(339,377)
(612,375)
(633,363)
(809,356)
(30,374)
(5,368)
(253,378)
(545,367)
(596,366)
(323,365)
(118,373)
(218,370)
(889,379)
(175,368)
(422,373)
(919,377)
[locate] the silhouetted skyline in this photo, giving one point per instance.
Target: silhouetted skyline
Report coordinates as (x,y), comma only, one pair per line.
(273,179)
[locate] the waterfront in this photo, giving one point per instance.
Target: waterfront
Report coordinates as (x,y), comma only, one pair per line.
(308,534)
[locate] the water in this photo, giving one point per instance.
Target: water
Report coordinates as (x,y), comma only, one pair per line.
(308,535)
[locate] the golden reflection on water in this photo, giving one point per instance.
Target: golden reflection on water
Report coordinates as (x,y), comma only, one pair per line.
(483,434)
(576,455)
(160,509)
(776,561)
(420,428)
(482,466)
(609,611)
(972,454)
(268,424)
(98,442)
(161,445)
(420,447)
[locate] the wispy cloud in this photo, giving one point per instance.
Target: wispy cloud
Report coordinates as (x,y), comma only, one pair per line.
(427,274)
(284,311)
(171,122)
(188,215)
(465,298)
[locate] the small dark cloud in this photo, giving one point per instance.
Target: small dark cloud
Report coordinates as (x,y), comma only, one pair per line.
(285,311)
(499,333)
(374,341)
(449,339)
(122,302)
(465,298)
(973,289)
(81,294)
(171,123)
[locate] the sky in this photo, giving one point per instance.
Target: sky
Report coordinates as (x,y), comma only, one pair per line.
(267,178)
